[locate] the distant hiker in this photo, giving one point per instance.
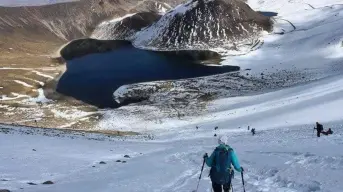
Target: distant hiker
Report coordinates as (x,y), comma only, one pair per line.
(328,132)
(248,128)
(253,131)
(220,162)
(319,128)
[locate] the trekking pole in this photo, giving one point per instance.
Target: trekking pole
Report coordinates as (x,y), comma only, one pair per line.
(243,181)
(202,168)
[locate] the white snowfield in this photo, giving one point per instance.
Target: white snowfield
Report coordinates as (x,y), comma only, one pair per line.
(283,156)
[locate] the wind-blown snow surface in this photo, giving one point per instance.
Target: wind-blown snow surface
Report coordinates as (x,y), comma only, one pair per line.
(284,155)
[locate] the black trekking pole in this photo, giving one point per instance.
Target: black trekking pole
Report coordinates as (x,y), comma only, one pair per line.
(243,181)
(202,168)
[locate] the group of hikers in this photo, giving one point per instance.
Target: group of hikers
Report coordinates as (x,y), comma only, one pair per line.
(223,157)
(320,130)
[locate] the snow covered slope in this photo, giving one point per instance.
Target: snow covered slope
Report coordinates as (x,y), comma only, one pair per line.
(287,160)
(312,39)
(284,155)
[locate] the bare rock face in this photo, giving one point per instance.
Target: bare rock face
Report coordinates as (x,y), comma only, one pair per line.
(48,183)
(205,24)
(126,27)
(82,47)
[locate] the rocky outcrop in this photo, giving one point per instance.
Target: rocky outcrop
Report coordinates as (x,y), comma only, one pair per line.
(48,183)
(205,24)
(125,28)
(82,47)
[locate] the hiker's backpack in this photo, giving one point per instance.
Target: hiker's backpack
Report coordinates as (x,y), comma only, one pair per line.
(221,172)
(320,127)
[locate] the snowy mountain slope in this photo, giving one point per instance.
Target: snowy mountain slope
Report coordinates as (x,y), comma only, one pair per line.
(314,46)
(288,159)
(284,156)
(280,108)
(303,46)
(312,52)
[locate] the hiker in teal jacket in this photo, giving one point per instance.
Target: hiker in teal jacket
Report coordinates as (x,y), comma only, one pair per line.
(220,162)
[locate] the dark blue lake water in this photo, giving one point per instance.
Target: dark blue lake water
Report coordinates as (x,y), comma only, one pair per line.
(94,78)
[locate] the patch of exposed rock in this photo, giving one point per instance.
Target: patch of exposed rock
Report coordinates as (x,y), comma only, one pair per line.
(48,183)
(125,28)
(82,47)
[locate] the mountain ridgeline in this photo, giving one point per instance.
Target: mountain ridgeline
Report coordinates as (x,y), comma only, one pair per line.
(205,24)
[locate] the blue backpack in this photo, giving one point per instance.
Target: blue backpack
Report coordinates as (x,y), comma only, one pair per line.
(221,172)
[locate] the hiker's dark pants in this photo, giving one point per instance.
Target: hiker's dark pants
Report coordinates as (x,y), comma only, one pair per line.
(318,133)
(219,188)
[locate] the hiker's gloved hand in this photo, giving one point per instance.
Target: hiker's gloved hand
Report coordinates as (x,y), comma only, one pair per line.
(242,170)
(205,156)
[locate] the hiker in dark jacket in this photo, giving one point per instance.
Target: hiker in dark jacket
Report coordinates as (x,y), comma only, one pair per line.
(253,131)
(319,128)
(220,162)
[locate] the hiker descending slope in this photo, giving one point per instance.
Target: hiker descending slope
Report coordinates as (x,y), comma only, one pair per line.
(319,128)
(220,162)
